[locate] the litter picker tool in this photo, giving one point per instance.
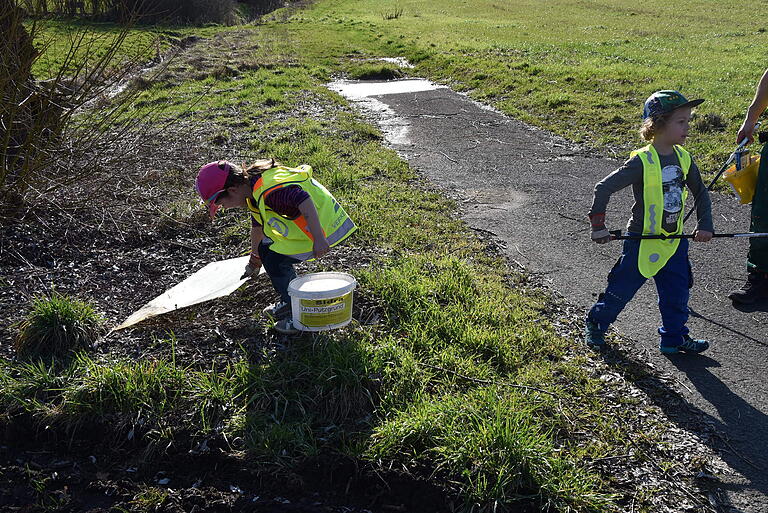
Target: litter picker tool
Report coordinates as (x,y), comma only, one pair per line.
(727,163)
(616,235)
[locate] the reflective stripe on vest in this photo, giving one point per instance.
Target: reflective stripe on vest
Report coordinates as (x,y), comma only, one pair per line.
(655,253)
(292,236)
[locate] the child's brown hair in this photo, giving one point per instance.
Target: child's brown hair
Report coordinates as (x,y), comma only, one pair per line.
(652,125)
(241,174)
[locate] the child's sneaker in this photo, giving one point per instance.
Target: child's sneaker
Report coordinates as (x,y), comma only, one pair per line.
(279,310)
(689,345)
(594,336)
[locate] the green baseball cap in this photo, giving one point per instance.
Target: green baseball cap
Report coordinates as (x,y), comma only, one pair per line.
(663,102)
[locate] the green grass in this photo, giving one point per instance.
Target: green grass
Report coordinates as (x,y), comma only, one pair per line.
(89,41)
(580,69)
(465,380)
(57,327)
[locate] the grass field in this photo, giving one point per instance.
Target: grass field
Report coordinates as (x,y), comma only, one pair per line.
(58,38)
(579,68)
(466,379)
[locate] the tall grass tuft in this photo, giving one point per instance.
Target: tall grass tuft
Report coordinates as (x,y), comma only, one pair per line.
(57,327)
(392,14)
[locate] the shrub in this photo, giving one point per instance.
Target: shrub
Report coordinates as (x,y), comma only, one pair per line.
(149,11)
(49,122)
(57,327)
(709,122)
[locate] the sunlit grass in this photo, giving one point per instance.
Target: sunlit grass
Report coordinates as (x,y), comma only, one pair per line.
(581,69)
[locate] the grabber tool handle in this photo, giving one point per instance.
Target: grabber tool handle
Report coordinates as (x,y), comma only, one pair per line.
(616,235)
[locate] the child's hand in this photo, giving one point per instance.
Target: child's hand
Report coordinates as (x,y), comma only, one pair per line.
(600,233)
(320,247)
(253,266)
(601,236)
(702,236)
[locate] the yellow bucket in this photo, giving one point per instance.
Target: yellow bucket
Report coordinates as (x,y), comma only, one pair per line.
(744,181)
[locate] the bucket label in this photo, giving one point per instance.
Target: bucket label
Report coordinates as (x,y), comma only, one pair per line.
(315,313)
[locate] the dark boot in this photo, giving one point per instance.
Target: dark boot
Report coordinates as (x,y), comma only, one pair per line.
(755,289)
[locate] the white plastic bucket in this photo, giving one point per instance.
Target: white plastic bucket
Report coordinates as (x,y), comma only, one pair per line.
(321,301)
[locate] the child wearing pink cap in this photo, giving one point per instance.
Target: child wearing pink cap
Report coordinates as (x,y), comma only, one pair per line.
(293,218)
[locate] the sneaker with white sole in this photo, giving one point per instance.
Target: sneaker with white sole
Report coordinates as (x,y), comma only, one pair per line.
(689,345)
(286,327)
(279,310)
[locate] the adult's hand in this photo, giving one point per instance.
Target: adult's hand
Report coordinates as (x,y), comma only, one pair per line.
(600,233)
(747,131)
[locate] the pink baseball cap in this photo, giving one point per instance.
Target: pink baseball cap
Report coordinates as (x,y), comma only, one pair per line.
(210,183)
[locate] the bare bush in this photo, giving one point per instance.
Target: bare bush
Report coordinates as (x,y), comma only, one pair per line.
(259,7)
(146,11)
(54,132)
(392,14)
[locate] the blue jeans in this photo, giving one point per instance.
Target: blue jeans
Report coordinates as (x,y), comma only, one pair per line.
(673,283)
(279,268)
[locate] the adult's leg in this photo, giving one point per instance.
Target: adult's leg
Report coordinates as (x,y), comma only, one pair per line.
(756,286)
(673,283)
(757,259)
(624,281)
(279,268)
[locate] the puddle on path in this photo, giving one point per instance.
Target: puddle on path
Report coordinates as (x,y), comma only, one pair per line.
(363,93)
(360,89)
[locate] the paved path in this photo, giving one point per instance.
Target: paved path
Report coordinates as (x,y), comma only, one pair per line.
(533,190)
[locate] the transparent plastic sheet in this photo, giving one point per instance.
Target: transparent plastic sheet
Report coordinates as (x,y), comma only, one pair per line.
(215,280)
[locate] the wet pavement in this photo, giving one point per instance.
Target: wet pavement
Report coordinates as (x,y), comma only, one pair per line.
(532,190)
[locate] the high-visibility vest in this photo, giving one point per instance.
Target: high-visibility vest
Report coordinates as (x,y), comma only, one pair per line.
(291,236)
(655,253)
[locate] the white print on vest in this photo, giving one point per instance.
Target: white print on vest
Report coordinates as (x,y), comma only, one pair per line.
(278,225)
(672,184)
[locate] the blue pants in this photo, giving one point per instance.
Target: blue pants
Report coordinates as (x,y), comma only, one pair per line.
(279,268)
(673,283)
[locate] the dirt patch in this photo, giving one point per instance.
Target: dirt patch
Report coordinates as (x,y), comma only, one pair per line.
(84,480)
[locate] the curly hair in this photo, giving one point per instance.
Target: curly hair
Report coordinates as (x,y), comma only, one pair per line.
(652,125)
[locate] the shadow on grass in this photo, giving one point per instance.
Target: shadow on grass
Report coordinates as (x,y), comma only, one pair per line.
(311,411)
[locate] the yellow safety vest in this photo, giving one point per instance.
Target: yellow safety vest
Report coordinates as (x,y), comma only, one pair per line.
(655,253)
(291,236)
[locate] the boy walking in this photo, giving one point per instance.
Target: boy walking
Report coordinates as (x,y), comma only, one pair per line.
(659,174)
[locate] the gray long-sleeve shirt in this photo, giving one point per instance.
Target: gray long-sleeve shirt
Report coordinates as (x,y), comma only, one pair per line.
(631,173)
